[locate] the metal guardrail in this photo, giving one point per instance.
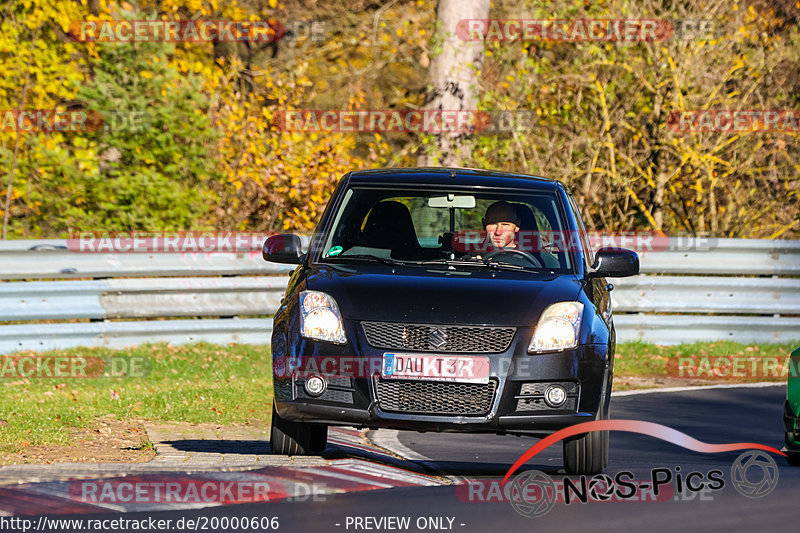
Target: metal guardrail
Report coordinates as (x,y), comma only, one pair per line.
(40,337)
(138,287)
(141,298)
(702,294)
(726,257)
(678,329)
(51,259)
(701,281)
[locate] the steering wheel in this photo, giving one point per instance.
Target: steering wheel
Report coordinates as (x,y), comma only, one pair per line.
(527,255)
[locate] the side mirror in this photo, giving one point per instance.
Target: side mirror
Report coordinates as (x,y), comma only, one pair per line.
(615,263)
(283,248)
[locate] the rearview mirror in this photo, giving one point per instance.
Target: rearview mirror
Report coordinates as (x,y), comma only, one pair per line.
(451,200)
(283,248)
(615,263)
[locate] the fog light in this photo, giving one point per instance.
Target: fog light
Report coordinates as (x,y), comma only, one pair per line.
(555,396)
(315,386)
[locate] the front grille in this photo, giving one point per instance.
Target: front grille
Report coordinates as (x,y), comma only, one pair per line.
(538,405)
(437,338)
(336,381)
(435,397)
(331,395)
(537,389)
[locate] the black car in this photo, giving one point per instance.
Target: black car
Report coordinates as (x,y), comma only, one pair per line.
(414,310)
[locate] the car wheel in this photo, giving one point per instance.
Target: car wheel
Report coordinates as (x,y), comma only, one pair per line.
(793,458)
(587,454)
(296,438)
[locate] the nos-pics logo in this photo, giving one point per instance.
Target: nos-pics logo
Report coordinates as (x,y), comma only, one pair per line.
(533,493)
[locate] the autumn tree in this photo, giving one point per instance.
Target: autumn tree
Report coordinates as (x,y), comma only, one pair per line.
(604,117)
(454,74)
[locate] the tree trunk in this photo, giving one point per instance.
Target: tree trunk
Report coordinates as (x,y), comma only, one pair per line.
(453,77)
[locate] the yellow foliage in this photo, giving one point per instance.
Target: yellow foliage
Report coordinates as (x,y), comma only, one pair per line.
(275,179)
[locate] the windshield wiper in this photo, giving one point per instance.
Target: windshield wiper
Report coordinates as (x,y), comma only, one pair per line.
(367,257)
(474,262)
(448,261)
(504,266)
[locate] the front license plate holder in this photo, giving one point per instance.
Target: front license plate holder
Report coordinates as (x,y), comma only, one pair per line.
(436,367)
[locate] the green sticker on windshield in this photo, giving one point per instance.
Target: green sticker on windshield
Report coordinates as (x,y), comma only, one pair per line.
(336,250)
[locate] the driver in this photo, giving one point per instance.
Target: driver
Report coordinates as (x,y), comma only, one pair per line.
(501,223)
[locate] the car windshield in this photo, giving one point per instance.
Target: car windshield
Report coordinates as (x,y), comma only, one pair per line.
(469,229)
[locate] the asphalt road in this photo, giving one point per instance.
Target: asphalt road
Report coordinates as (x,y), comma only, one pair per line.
(713,416)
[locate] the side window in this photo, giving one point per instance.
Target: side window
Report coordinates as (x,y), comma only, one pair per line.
(587,245)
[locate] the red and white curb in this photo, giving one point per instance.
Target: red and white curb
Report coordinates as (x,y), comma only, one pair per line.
(353,439)
(175,491)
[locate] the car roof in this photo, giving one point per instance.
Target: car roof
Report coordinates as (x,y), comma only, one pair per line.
(452,177)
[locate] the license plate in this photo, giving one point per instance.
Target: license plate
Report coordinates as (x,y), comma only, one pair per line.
(463,368)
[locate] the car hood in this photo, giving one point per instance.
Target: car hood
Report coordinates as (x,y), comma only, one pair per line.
(441,296)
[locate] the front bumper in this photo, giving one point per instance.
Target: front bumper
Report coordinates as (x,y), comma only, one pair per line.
(354,400)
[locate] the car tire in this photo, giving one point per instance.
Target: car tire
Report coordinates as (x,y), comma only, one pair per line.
(296,438)
(587,454)
(793,458)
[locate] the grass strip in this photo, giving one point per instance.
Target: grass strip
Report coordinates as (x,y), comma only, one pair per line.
(156,382)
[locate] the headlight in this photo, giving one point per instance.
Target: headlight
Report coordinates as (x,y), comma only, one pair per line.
(320,318)
(558,328)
